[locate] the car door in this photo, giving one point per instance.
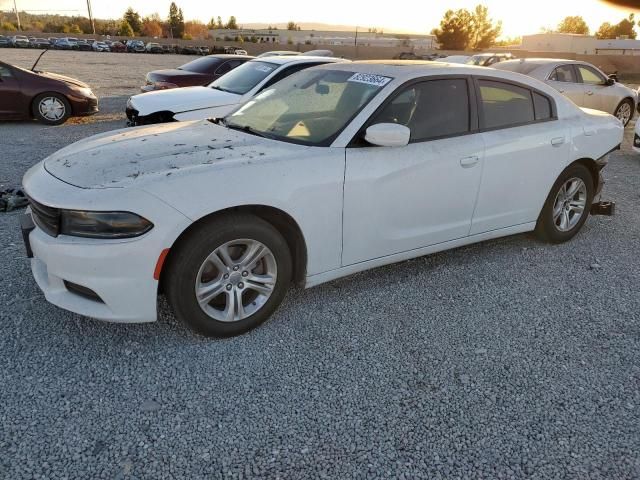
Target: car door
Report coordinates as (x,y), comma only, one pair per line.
(397,199)
(564,78)
(526,148)
(595,86)
(13,102)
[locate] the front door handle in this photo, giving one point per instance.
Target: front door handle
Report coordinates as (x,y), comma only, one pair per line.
(556,142)
(468,162)
(589,92)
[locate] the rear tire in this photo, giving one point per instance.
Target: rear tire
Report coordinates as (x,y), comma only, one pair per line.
(624,111)
(228,275)
(51,108)
(567,206)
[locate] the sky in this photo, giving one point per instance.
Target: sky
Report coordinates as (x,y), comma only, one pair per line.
(410,16)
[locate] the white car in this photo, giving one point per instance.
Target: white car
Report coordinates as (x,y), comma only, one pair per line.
(220,97)
(586,85)
(100,47)
(454,59)
(334,170)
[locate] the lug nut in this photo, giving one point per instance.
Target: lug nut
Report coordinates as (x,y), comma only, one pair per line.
(229,286)
(245,274)
(225,276)
(235,269)
(241,285)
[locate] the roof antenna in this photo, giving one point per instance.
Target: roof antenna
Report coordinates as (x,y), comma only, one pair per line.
(34,65)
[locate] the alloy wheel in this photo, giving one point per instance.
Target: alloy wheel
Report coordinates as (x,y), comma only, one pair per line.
(236,280)
(624,113)
(52,108)
(570,204)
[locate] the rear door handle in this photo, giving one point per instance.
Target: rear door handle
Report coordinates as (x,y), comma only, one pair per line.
(556,142)
(468,162)
(589,131)
(589,92)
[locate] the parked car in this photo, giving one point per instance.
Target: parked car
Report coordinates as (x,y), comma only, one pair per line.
(585,84)
(118,47)
(278,53)
(47,97)
(203,50)
(153,48)
(100,47)
(169,48)
(489,59)
(202,71)
(5,41)
(40,43)
(455,59)
(222,216)
(67,44)
(84,46)
(319,53)
(240,51)
(188,50)
(135,46)
(19,41)
(221,96)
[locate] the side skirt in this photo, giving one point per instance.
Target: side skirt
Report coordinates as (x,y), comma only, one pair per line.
(313,280)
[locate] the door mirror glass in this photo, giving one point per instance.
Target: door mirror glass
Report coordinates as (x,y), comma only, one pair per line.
(388,135)
(609,82)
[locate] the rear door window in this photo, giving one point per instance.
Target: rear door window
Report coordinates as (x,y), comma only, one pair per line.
(505,105)
(564,73)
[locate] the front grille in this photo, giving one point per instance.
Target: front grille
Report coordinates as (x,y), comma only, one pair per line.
(132,114)
(47,218)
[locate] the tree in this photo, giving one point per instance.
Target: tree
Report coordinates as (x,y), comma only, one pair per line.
(606,31)
(455,30)
(484,32)
(151,28)
(176,20)
(133,19)
(196,29)
(8,27)
(212,24)
(574,24)
(125,29)
(219,24)
(292,26)
(232,24)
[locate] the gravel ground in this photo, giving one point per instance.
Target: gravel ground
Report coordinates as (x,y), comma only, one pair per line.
(507,359)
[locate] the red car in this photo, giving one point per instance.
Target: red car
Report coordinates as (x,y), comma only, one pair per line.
(47,97)
(199,72)
(117,47)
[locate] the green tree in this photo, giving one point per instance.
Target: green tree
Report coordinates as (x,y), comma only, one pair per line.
(212,25)
(484,32)
(292,26)
(125,29)
(176,20)
(574,24)
(232,24)
(219,24)
(455,30)
(625,27)
(133,19)
(8,27)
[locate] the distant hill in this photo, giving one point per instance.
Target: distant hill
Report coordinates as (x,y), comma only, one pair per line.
(304,26)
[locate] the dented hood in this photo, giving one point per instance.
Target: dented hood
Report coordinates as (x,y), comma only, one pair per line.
(136,156)
(177,100)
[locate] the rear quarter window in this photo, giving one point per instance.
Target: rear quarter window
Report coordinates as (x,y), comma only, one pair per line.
(505,105)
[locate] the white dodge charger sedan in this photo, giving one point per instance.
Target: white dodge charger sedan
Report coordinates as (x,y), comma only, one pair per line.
(334,170)
(219,97)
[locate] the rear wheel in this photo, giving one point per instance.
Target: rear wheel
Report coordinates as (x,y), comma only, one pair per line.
(51,108)
(229,275)
(624,112)
(567,206)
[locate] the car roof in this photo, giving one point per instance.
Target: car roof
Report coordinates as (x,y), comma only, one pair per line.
(283,60)
(226,56)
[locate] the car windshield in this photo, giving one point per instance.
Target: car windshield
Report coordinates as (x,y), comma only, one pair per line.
(201,65)
(477,59)
(310,107)
(244,78)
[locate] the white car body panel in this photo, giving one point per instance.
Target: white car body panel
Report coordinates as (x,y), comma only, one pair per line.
(357,208)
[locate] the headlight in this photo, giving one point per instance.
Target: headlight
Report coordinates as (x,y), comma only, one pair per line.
(85,92)
(103,224)
(164,85)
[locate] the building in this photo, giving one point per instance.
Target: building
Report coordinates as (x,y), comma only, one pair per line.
(579,44)
(317,37)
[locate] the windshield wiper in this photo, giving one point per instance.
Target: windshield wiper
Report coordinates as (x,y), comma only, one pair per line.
(247,129)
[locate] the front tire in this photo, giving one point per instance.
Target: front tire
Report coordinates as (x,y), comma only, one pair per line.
(229,275)
(567,206)
(624,111)
(51,108)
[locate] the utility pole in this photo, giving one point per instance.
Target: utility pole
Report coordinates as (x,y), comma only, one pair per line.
(15,7)
(93,25)
(355,42)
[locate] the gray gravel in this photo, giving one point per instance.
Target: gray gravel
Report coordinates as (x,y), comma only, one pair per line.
(507,359)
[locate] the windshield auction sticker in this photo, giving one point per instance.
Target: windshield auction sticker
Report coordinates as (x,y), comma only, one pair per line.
(369,79)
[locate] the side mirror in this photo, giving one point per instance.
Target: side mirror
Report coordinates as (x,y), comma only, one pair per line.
(388,135)
(609,81)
